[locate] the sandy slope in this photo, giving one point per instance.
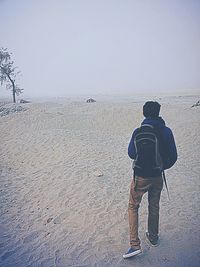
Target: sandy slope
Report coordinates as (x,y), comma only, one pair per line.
(56,211)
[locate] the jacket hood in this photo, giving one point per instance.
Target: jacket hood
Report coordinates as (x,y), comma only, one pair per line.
(157,121)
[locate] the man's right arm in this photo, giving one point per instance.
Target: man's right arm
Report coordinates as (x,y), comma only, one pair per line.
(171,147)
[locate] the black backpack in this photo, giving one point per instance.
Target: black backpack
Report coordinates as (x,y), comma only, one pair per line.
(147,141)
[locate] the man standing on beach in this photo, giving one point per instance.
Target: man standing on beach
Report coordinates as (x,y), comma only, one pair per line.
(152,137)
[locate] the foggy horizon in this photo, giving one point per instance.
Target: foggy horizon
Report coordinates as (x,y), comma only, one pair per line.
(65,48)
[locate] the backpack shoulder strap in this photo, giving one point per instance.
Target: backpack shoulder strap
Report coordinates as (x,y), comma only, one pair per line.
(164,178)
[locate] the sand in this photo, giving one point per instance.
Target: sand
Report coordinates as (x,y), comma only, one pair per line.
(64,185)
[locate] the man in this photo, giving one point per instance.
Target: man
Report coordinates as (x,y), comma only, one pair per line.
(146,179)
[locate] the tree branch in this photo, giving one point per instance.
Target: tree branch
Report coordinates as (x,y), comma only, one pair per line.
(11,80)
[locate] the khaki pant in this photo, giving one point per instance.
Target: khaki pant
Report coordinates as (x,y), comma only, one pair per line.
(139,186)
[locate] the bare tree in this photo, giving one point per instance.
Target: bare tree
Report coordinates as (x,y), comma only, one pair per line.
(8,73)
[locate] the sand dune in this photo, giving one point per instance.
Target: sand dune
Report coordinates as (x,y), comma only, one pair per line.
(65,177)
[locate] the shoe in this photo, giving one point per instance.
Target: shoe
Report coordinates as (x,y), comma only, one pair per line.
(132,252)
(152,242)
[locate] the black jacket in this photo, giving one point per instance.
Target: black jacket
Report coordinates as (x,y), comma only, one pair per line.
(167,138)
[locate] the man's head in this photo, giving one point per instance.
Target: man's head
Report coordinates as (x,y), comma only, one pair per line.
(151,109)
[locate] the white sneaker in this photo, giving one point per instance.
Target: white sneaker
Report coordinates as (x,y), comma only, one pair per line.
(132,252)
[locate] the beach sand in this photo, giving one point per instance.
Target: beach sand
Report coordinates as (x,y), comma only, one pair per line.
(64,185)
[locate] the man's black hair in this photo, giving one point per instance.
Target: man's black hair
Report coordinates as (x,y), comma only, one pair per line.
(151,109)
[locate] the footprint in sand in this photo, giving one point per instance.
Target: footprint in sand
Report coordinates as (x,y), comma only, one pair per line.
(7,254)
(59,219)
(31,237)
(169,227)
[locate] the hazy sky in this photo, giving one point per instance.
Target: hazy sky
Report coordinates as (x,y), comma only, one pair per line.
(102,46)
